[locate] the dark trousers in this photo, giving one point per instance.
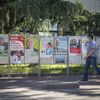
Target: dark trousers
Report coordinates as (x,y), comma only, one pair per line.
(90,61)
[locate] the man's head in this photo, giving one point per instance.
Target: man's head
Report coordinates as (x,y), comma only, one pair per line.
(90,37)
(49,45)
(1,41)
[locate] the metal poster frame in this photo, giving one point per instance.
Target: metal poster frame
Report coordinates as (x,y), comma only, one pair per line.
(9,64)
(39,66)
(67,67)
(52,38)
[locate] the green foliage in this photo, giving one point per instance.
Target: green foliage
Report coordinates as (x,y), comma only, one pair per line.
(27,69)
(80,19)
(38,15)
(31,14)
(94,23)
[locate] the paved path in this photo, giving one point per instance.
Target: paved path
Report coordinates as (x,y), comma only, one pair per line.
(32,89)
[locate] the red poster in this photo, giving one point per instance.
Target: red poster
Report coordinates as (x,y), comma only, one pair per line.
(75,45)
(75,50)
(17,49)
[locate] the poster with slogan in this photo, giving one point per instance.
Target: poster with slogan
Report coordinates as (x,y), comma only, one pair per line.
(4,49)
(31,49)
(98,49)
(60,45)
(60,59)
(46,50)
(84,47)
(60,49)
(74,45)
(16,49)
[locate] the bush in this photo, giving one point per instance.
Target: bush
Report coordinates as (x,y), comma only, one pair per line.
(45,69)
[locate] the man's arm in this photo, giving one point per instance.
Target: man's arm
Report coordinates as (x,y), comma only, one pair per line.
(90,53)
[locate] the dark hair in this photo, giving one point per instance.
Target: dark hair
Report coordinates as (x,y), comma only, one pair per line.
(1,38)
(49,43)
(90,35)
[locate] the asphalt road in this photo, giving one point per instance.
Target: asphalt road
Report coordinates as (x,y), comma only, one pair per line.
(32,88)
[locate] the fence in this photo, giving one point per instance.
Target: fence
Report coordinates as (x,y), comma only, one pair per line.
(30,49)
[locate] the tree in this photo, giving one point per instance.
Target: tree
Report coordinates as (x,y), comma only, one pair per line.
(30,14)
(80,19)
(94,24)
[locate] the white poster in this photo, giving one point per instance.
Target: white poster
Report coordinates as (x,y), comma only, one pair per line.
(84,47)
(60,45)
(60,59)
(17,49)
(74,49)
(46,50)
(3,49)
(98,48)
(60,49)
(31,49)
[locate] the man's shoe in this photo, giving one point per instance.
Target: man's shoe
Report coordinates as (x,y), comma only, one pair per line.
(84,79)
(98,74)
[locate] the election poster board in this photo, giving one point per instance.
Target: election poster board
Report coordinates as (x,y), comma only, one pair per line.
(46,50)
(16,49)
(74,49)
(98,49)
(3,49)
(60,49)
(84,47)
(31,49)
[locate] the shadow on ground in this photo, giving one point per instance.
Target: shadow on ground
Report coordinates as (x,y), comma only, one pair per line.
(32,88)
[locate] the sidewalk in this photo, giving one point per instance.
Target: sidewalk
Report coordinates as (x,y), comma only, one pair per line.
(32,88)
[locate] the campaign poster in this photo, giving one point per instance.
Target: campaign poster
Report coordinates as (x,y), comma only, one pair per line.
(3,49)
(75,45)
(84,47)
(60,59)
(16,49)
(74,49)
(60,45)
(98,49)
(46,50)
(31,49)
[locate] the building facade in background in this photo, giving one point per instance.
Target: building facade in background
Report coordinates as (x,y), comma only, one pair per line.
(91,5)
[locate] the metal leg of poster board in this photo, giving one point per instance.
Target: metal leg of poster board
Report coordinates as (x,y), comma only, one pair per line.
(68,71)
(39,70)
(9,74)
(39,66)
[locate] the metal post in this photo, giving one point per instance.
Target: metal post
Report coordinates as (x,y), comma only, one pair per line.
(68,65)
(39,66)
(9,75)
(68,72)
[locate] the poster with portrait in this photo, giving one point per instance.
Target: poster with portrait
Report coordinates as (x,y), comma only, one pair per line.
(60,59)
(84,47)
(60,45)
(98,49)
(3,49)
(31,49)
(74,49)
(46,50)
(16,49)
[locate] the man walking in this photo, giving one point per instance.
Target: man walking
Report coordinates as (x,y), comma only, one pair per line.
(91,58)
